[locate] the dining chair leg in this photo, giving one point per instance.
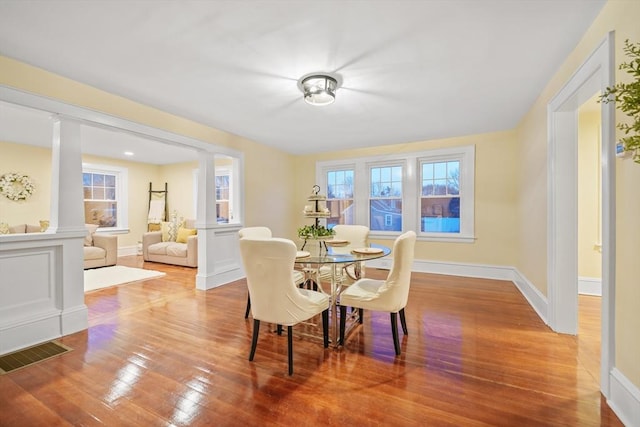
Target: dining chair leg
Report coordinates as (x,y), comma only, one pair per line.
(394,332)
(325,327)
(290,348)
(254,341)
(279,329)
(343,322)
(403,322)
(360,315)
(246,313)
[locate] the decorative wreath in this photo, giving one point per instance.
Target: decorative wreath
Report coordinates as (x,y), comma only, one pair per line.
(15,186)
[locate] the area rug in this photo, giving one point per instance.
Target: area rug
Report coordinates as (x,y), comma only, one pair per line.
(104,277)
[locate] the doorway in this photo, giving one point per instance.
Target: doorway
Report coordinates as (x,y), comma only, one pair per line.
(593,76)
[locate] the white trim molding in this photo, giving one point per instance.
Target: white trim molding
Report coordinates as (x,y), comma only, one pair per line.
(590,286)
(624,399)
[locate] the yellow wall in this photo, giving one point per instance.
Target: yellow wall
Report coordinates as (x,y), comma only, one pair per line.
(589,254)
(622,17)
(34,162)
(495,196)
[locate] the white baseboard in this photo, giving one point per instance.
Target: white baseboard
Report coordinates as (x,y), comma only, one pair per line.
(590,286)
(127,250)
(624,399)
(535,298)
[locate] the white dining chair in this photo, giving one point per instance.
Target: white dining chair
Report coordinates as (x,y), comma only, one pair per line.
(358,237)
(389,295)
(261,232)
(275,297)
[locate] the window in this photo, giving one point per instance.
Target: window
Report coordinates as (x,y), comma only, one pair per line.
(385,198)
(105,199)
(222,197)
(227,187)
(440,197)
(430,192)
(340,197)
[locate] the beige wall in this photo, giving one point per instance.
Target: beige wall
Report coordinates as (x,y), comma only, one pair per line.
(36,163)
(589,253)
(621,16)
(495,196)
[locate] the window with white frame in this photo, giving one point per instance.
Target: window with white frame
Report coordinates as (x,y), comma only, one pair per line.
(385,197)
(430,192)
(105,196)
(440,196)
(340,196)
(223,196)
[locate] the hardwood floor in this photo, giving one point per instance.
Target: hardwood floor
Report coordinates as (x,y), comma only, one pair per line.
(160,352)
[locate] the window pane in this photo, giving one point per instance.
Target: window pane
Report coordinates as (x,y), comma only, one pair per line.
(104,214)
(109,181)
(98,193)
(439,170)
(98,179)
(86,179)
(440,215)
(341,212)
(427,171)
(440,187)
(385,214)
(110,194)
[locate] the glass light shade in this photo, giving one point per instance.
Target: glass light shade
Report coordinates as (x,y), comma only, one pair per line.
(319,89)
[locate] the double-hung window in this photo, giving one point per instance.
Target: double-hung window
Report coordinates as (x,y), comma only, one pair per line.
(430,192)
(105,196)
(385,197)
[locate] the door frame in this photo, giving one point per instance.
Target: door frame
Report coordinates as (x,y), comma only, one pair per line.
(594,75)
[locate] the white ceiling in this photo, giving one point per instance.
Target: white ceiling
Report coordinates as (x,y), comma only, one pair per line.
(411,70)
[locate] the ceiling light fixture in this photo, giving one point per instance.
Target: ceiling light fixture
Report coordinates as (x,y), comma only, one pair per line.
(318,89)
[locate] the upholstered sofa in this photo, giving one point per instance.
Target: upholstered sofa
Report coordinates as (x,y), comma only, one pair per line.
(158,247)
(100,250)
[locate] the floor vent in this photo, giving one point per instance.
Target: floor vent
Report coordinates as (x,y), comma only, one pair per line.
(28,356)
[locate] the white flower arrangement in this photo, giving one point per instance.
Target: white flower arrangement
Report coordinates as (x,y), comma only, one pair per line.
(16,187)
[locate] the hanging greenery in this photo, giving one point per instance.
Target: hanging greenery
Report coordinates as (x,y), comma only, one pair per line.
(627,98)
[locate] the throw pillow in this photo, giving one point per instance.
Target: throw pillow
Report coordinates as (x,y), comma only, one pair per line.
(184,233)
(4,228)
(91,228)
(164,228)
(173,231)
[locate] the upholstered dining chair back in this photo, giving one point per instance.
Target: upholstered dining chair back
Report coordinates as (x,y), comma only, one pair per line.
(273,291)
(384,295)
(255,233)
(395,291)
(275,298)
(356,235)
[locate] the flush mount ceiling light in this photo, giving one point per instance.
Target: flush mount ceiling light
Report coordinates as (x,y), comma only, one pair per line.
(318,89)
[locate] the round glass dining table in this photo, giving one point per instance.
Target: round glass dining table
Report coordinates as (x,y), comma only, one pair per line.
(336,257)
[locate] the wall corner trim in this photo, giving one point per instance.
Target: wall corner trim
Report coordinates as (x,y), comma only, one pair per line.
(624,399)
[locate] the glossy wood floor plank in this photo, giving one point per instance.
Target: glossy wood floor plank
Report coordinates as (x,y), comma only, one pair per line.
(160,352)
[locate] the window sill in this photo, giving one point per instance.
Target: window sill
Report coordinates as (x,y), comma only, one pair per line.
(112,230)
